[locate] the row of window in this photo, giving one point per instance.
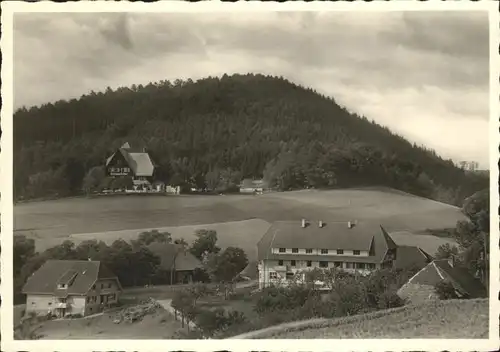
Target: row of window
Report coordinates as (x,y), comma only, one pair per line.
(323,251)
(324,264)
(108,285)
(103,299)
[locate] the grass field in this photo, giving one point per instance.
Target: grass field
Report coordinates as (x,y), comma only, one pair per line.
(239,219)
(435,319)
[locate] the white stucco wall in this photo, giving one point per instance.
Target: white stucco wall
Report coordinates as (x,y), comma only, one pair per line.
(317,251)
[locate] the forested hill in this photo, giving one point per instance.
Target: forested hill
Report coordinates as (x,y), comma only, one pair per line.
(216,131)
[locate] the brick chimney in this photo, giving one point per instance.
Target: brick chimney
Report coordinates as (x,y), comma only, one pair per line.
(303,223)
(349,224)
(320,224)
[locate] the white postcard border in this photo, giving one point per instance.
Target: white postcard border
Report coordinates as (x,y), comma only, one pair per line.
(8,344)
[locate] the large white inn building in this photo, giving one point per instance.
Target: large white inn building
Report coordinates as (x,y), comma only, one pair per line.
(289,247)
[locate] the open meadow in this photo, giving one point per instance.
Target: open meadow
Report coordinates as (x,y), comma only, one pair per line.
(240,220)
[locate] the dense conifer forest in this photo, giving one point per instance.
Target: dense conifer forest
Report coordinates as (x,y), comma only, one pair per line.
(216,131)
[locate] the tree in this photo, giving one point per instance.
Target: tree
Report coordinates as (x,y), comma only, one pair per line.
(205,243)
(92,249)
(473,236)
(225,266)
(147,237)
(446,251)
(93,179)
(24,249)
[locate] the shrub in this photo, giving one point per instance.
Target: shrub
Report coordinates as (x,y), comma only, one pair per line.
(389,299)
(445,290)
(210,321)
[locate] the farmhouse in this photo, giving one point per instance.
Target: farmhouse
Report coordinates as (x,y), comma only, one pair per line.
(291,247)
(64,287)
(421,286)
(134,163)
(253,186)
(175,262)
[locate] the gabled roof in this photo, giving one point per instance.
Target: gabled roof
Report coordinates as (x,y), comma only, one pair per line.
(411,256)
(184,260)
(77,275)
(138,159)
(440,270)
(332,236)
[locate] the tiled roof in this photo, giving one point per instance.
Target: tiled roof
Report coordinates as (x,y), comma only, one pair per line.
(334,235)
(440,270)
(78,275)
(140,163)
(461,279)
(184,260)
(411,256)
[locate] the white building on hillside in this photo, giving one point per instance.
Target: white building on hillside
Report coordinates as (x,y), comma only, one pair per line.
(290,247)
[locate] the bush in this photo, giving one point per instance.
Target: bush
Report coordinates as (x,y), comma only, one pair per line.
(445,290)
(282,298)
(210,321)
(389,299)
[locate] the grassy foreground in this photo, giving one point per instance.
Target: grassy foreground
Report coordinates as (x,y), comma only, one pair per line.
(435,319)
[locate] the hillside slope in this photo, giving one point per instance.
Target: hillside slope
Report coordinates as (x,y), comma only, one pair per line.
(436,319)
(215,131)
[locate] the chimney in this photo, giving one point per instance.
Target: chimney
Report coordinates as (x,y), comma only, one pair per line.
(349,224)
(303,222)
(89,259)
(320,224)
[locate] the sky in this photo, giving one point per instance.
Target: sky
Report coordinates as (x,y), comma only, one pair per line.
(422,74)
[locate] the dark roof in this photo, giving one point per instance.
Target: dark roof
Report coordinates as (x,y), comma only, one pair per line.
(78,275)
(440,270)
(411,256)
(461,278)
(251,270)
(335,235)
(184,260)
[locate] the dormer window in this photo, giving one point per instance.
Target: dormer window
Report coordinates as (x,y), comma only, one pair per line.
(356,252)
(324,251)
(295,250)
(309,250)
(340,251)
(282,250)
(61,286)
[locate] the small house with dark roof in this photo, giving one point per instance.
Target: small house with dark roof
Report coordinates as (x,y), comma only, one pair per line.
(421,287)
(68,287)
(131,162)
(176,259)
(290,247)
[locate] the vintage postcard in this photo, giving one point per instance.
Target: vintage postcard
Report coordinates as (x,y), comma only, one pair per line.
(250,176)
